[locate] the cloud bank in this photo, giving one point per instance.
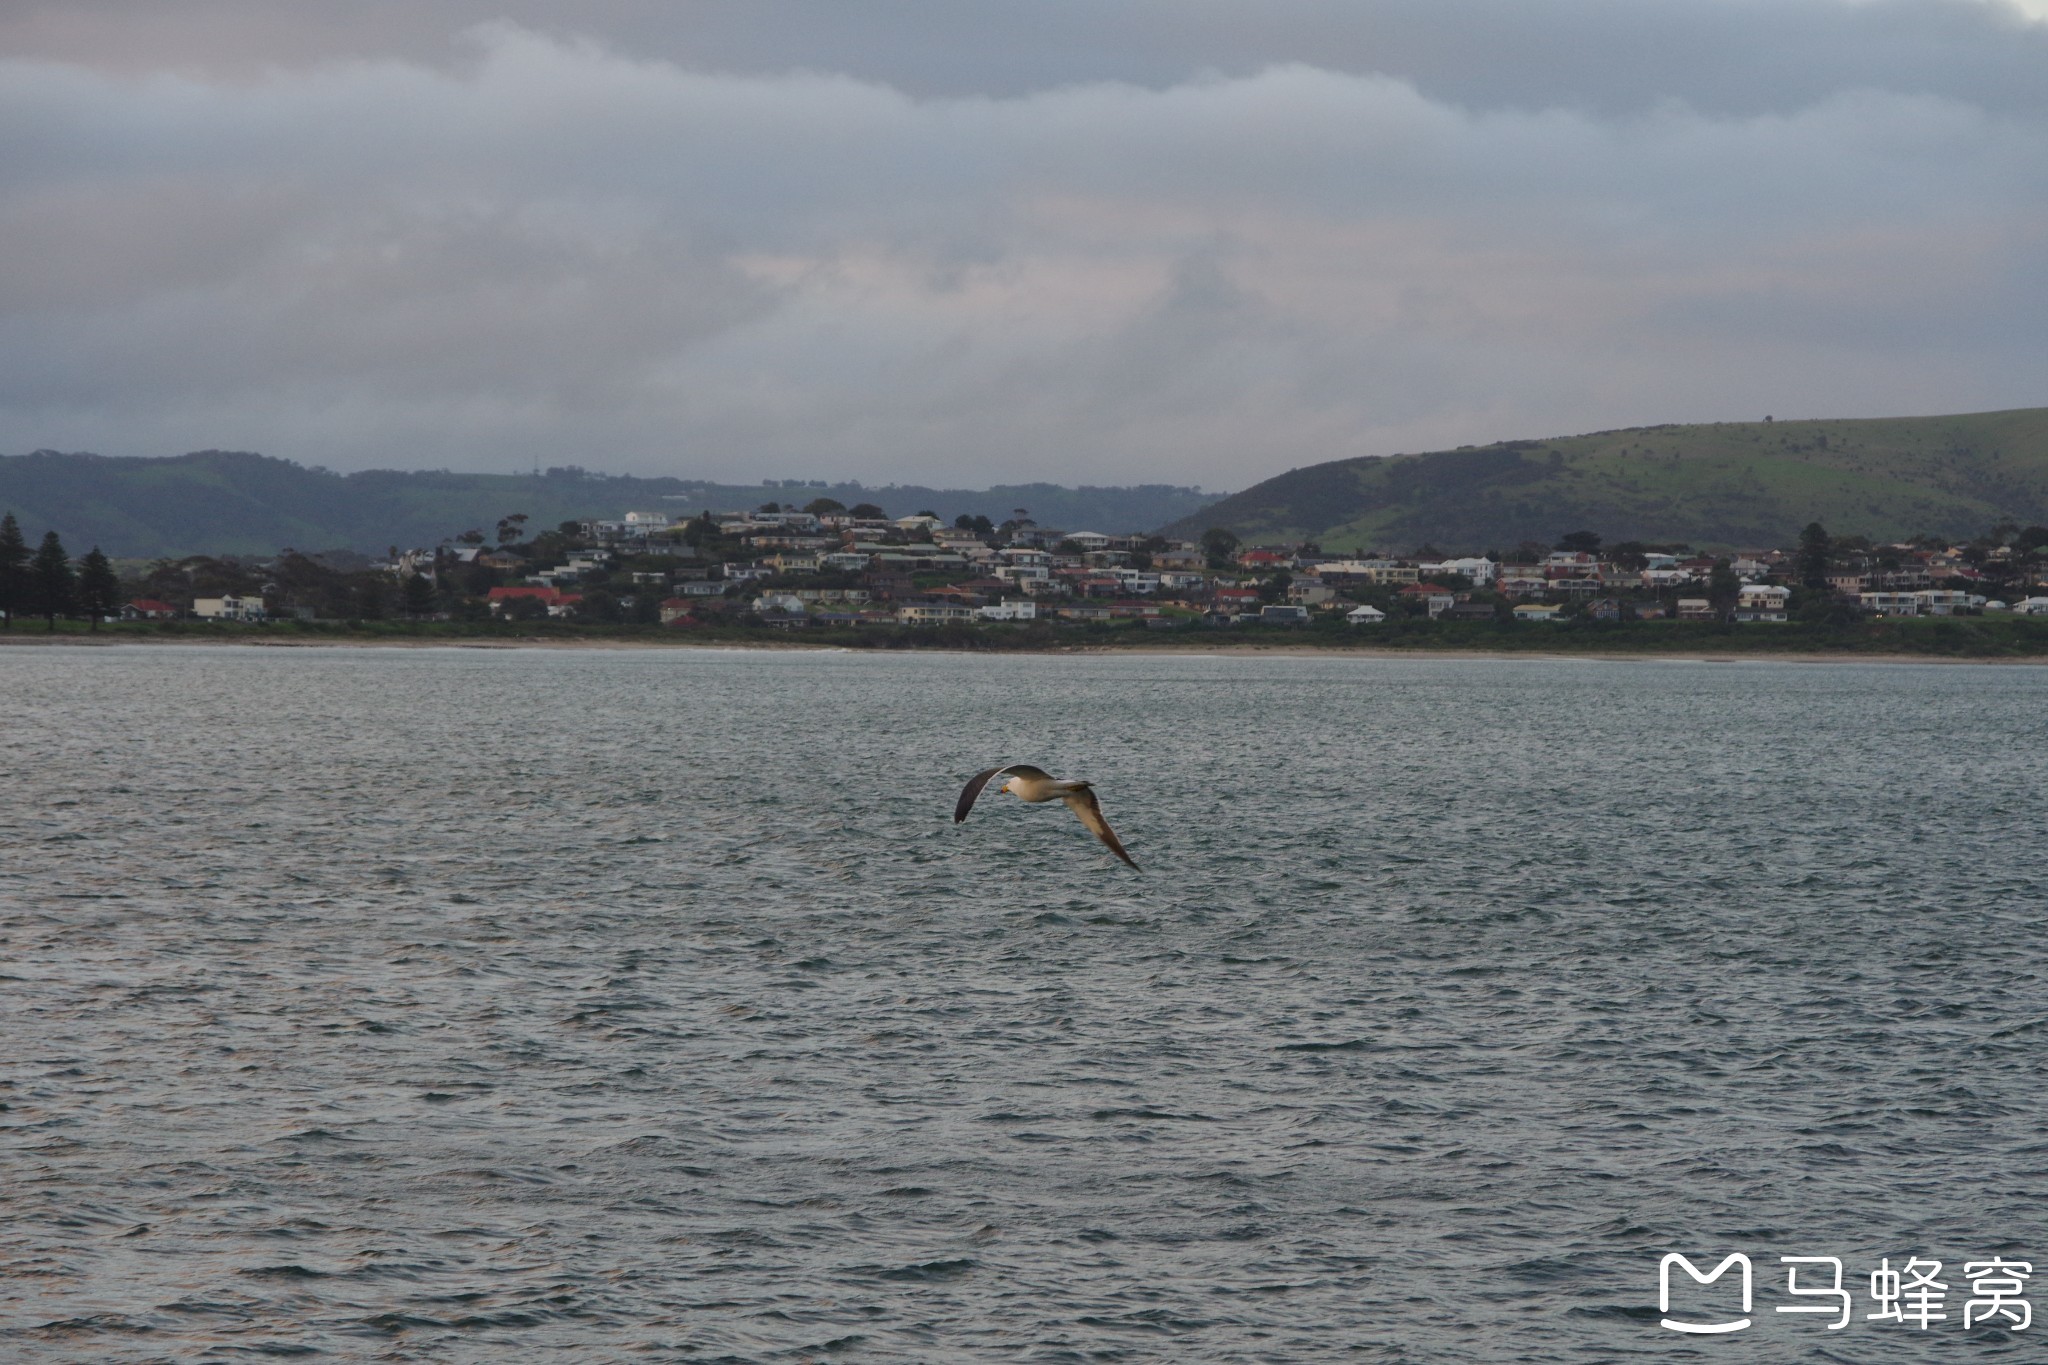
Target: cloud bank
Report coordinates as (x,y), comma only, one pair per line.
(1194,252)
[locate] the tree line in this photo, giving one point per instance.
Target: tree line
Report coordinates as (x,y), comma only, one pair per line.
(46,583)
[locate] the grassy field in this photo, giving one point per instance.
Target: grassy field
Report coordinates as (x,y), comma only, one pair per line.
(1720,485)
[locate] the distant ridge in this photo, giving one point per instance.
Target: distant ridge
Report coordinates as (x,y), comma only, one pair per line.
(232,502)
(1721,484)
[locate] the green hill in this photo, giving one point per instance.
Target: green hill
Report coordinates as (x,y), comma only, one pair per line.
(1715,485)
(229,502)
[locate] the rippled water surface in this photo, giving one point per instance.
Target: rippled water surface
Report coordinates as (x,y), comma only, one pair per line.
(492,1005)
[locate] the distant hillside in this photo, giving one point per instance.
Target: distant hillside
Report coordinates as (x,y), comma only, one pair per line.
(228,502)
(1721,484)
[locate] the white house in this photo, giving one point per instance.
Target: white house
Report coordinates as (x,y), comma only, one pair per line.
(1365,616)
(1945,602)
(1014,610)
(934,613)
(1926,602)
(1763,596)
(229,609)
(1889,603)
(1762,602)
(1666,576)
(1480,571)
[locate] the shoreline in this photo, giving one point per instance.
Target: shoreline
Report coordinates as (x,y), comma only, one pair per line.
(1206,649)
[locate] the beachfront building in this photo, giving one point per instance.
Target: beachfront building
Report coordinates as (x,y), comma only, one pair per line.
(557,602)
(1016,609)
(229,609)
(935,614)
(1762,602)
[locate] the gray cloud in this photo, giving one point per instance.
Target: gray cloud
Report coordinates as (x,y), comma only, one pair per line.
(957,247)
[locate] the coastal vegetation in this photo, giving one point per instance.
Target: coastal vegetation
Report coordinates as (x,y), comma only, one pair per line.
(1711,485)
(1018,587)
(219,502)
(2009,638)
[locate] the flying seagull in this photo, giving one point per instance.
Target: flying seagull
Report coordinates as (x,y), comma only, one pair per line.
(1036,785)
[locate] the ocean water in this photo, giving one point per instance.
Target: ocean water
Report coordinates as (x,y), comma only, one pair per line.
(610,1005)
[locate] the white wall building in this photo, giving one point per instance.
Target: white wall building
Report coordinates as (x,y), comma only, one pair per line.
(1480,571)
(229,609)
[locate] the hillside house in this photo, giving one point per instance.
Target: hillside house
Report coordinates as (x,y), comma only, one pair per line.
(1571,564)
(1479,571)
(1368,572)
(1434,599)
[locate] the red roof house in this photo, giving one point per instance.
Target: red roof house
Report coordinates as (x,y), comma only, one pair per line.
(557,602)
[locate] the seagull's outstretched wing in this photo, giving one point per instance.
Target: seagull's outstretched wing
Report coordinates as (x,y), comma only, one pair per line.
(1084,804)
(975,783)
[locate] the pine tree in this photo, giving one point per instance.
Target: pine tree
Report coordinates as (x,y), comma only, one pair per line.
(419,596)
(51,581)
(13,569)
(99,588)
(1816,551)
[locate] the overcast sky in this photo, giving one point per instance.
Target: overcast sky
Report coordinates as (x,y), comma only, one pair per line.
(972,241)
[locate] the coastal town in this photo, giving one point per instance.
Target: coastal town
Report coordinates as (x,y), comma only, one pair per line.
(825,566)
